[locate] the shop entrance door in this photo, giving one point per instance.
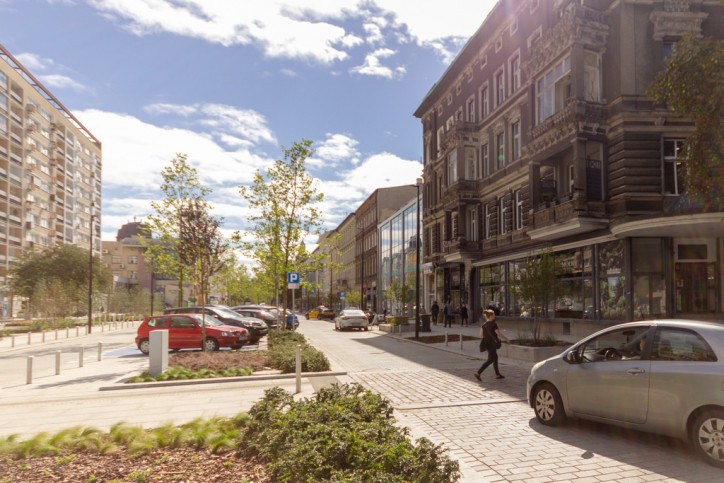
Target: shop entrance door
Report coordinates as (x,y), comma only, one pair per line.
(696,288)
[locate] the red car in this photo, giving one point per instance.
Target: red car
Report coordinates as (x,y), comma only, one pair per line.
(184,332)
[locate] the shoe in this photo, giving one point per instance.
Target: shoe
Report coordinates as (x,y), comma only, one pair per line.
(477,376)
(499,376)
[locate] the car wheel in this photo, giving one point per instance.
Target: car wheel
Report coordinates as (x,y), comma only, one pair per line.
(548,405)
(211,345)
(144,346)
(707,436)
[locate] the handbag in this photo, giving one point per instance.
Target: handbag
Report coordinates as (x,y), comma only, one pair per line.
(494,336)
(483,347)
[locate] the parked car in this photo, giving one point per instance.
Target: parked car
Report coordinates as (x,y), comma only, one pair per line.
(320,313)
(662,376)
(265,316)
(351,318)
(185,332)
(256,329)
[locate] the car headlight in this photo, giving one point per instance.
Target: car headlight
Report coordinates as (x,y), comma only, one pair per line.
(228,334)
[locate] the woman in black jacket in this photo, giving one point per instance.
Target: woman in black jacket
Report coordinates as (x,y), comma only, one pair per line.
(488,332)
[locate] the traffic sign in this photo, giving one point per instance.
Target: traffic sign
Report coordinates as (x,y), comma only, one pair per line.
(341,295)
(292,280)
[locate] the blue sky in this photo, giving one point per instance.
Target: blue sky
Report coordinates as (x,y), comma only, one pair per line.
(228,82)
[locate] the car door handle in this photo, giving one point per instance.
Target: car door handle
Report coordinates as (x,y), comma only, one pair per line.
(635,370)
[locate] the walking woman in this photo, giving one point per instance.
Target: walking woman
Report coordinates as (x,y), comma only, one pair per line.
(488,332)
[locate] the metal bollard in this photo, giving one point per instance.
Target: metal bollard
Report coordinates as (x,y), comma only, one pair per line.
(29,375)
(103,327)
(43,339)
(67,332)
(461,341)
(100,350)
(85,329)
(57,363)
(80,357)
(56,334)
(12,340)
(445,339)
(29,334)
(77,331)
(299,368)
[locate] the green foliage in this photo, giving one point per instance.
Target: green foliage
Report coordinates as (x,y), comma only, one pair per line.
(178,373)
(283,353)
(400,293)
(353,298)
(398,320)
(58,276)
(537,284)
(344,433)
(693,86)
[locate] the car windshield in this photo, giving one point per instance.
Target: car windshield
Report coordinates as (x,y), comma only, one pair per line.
(209,320)
(226,312)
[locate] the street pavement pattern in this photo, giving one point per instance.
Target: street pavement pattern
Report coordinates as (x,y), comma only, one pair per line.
(488,427)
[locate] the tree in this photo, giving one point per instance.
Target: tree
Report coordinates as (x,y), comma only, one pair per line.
(38,271)
(201,247)
(537,284)
(180,186)
(353,298)
(283,214)
(693,86)
(400,293)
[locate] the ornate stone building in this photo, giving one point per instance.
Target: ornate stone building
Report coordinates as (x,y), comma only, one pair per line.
(540,134)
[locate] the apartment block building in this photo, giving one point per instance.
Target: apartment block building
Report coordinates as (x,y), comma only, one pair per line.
(540,136)
(50,172)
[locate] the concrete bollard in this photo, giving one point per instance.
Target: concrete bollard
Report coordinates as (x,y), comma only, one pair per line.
(80,357)
(100,350)
(43,338)
(29,335)
(299,368)
(29,374)
(103,328)
(12,340)
(158,352)
(77,331)
(57,363)
(56,334)
(67,332)
(445,339)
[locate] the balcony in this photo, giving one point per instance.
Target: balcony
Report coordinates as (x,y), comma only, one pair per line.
(564,123)
(570,217)
(460,249)
(460,190)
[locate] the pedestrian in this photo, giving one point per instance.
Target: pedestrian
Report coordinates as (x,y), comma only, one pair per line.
(447,313)
(434,311)
(488,332)
(464,316)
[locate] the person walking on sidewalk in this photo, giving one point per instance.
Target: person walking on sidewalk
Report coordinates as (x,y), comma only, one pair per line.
(464,316)
(434,310)
(488,332)
(447,312)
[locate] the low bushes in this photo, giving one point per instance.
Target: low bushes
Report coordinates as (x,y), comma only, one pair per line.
(180,373)
(343,433)
(398,320)
(283,353)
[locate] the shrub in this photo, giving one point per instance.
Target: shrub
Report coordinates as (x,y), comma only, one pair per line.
(343,433)
(398,320)
(283,353)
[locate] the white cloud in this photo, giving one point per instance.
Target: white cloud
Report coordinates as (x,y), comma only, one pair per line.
(61,82)
(372,65)
(34,62)
(334,150)
(383,170)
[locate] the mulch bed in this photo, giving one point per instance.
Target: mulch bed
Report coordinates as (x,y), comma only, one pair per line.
(177,465)
(437,339)
(217,361)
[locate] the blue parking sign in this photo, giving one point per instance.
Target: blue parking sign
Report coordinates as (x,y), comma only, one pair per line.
(292,277)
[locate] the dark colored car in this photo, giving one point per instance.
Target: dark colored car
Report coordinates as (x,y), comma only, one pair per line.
(258,313)
(257,330)
(185,332)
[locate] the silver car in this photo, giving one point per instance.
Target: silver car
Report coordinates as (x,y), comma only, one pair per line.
(662,376)
(352,318)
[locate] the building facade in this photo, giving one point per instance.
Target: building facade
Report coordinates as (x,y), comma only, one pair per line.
(382,203)
(398,241)
(540,136)
(50,173)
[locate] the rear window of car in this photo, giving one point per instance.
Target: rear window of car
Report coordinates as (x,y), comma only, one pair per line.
(178,322)
(353,312)
(674,344)
(157,322)
(209,320)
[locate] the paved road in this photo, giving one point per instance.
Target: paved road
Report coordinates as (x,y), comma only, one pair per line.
(487,425)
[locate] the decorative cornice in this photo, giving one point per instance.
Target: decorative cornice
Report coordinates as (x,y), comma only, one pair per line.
(676,23)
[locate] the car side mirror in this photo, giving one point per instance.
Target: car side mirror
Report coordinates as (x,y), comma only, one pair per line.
(573,357)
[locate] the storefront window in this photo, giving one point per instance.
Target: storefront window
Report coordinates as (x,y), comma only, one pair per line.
(649,289)
(575,299)
(492,287)
(612,280)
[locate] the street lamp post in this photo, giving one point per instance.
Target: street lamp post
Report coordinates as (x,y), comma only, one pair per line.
(90,276)
(418,183)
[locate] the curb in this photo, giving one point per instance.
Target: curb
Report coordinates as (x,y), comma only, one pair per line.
(216,380)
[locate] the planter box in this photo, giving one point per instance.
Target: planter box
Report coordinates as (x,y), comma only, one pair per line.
(395,329)
(529,354)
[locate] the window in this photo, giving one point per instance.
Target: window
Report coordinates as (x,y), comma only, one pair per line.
(471,165)
(571,179)
(459,114)
(503,215)
(668,48)
(515,138)
(440,139)
(513,27)
(499,44)
(484,103)
(471,223)
(484,156)
(132,274)
(672,344)
(615,345)
(499,87)
(500,146)
(488,221)
(535,37)
(452,168)
(115,259)
(514,73)
(157,322)
(470,109)
(133,259)
(553,90)
(178,322)
(518,210)
(450,123)
(591,76)
(673,167)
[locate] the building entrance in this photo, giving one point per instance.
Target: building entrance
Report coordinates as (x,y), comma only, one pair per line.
(696,288)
